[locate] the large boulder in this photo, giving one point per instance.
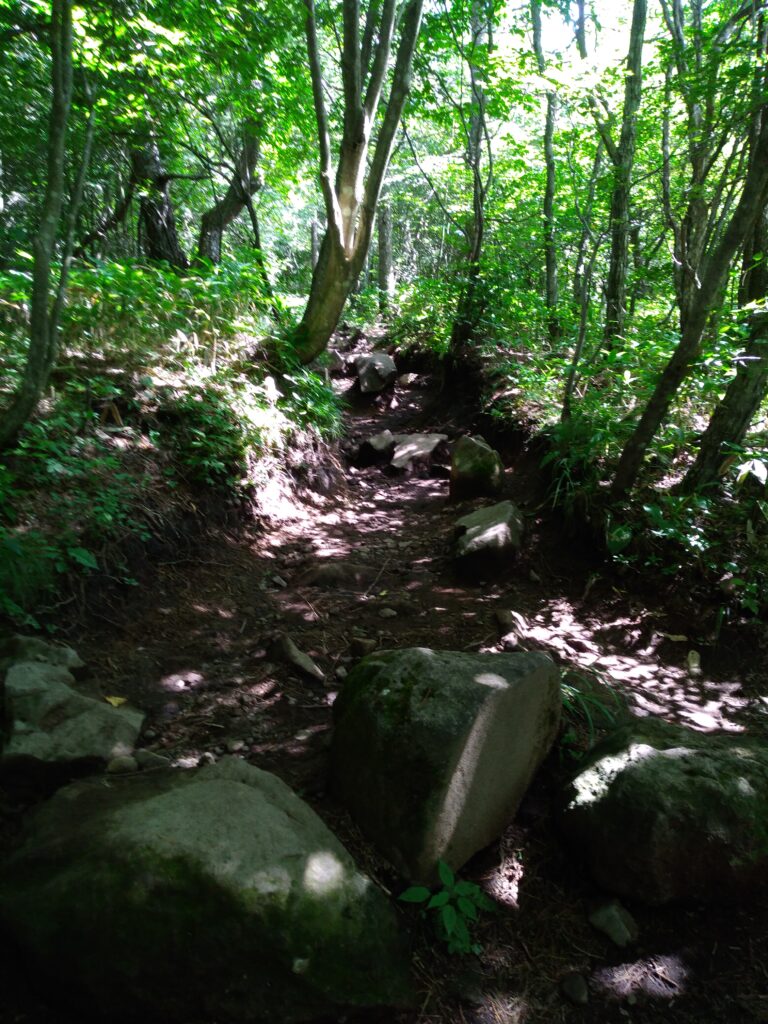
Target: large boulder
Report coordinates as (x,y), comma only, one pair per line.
(49,723)
(184,897)
(433,750)
(375,372)
(488,538)
(662,813)
(476,469)
(32,648)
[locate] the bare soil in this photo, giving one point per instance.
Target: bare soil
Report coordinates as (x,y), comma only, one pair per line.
(194,646)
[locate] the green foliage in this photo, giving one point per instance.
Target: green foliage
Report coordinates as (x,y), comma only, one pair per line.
(588,707)
(456,906)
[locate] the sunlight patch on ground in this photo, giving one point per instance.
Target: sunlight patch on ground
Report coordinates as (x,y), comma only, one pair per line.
(659,977)
(652,687)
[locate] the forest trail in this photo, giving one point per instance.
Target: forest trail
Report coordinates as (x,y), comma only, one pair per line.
(198,651)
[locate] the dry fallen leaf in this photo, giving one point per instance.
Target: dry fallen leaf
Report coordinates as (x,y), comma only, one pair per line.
(116,701)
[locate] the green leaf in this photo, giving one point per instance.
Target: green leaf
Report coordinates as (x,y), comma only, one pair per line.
(467,908)
(439,899)
(449,917)
(447,876)
(83,557)
(416,894)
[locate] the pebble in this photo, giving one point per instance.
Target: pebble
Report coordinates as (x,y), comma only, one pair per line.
(363,645)
(341,672)
(616,922)
(149,759)
(387,613)
(279,581)
(123,765)
(234,745)
(575,988)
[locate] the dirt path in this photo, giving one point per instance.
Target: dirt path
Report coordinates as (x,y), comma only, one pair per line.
(197,651)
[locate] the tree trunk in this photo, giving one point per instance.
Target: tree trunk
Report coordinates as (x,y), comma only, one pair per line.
(469,311)
(624,156)
(715,269)
(745,393)
(44,316)
(386,274)
(350,202)
(241,189)
(551,296)
(314,242)
(157,224)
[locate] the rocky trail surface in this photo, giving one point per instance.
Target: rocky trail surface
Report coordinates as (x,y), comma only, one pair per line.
(241,643)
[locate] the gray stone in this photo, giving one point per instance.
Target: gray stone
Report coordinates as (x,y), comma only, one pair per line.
(662,813)
(411,448)
(375,372)
(341,672)
(433,750)
(387,613)
(219,893)
(362,645)
(123,765)
(290,653)
(377,448)
(616,922)
(476,469)
(150,759)
(575,988)
(490,535)
(32,648)
(51,723)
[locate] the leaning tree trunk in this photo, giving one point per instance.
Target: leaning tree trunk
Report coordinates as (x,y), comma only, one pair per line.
(714,275)
(744,395)
(623,157)
(157,224)
(44,316)
(352,196)
(242,187)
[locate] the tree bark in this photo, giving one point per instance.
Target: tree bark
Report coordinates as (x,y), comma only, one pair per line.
(242,187)
(714,274)
(386,275)
(744,395)
(157,223)
(616,285)
(551,293)
(44,314)
(351,200)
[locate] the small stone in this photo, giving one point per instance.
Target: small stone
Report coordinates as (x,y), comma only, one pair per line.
(279,581)
(574,987)
(291,653)
(387,613)
(341,672)
(149,759)
(616,922)
(123,765)
(234,745)
(363,645)
(192,761)
(150,735)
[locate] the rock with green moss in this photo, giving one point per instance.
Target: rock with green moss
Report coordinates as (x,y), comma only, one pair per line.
(476,469)
(214,894)
(662,813)
(50,724)
(433,750)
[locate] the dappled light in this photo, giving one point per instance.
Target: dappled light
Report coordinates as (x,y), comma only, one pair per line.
(662,977)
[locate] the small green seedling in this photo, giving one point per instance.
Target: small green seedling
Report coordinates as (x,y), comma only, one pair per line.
(456,907)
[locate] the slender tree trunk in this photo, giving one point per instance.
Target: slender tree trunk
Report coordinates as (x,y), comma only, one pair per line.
(386,274)
(745,393)
(714,274)
(109,221)
(241,189)
(351,201)
(624,157)
(157,223)
(44,315)
(314,242)
(469,309)
(551,295)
